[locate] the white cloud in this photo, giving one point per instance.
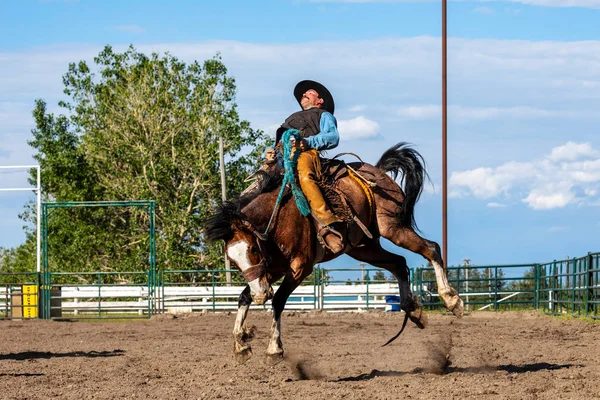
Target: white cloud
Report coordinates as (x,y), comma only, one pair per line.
(128,28)
(358,128)
(496,205)
(507,80)
(421,112)
(358,108)
(542,3)
(480,181)
(572,151)
(561,3)
(570,174)
(542,200)
(466,114)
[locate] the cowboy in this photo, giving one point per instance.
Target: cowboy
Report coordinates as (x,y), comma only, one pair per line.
(318,127)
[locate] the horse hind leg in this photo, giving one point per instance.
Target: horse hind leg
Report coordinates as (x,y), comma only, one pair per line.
(407,238)
(374,254)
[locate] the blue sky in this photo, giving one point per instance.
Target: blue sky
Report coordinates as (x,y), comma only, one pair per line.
(524,95)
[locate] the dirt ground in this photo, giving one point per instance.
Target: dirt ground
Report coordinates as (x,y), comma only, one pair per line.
(328,356)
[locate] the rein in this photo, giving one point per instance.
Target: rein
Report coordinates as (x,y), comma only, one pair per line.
(257,270)
(289,162)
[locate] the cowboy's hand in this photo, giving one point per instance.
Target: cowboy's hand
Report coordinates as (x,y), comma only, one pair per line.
(301,145)
(270,156)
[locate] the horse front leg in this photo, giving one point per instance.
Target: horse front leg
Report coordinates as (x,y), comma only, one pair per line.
(242,351)
(291,281)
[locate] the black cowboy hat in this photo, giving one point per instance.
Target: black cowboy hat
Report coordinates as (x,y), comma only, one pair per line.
(302,87)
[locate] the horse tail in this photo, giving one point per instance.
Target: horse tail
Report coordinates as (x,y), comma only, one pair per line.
(403,158)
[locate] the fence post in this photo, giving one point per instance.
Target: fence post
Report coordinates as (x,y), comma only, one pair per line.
(573,285)
(555,287)
(418,284)
(321,294)
(496,288)
(367,298)
(590,284)
(99,296)
(212,278)
(315,297)
(536,287)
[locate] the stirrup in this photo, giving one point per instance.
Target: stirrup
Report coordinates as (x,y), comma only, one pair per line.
(322,234)
(325,229)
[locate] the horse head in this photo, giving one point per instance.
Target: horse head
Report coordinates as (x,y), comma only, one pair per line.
(244,246)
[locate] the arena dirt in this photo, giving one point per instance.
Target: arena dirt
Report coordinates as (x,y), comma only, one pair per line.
(328,356)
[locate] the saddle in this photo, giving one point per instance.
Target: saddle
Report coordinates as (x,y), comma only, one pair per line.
(332,170)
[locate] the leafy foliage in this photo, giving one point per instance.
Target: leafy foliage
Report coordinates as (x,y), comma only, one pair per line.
(140,127)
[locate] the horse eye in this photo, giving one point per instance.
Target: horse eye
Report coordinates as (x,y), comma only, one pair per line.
(254,250)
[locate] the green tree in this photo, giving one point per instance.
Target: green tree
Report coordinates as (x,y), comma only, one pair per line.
(141,127)
(317,271)
(427,276)
(379,276)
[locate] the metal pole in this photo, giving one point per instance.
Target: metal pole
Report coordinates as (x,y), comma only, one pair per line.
(362,276)
(467,265)
(224,197)
(39,202)
(444,138)
(39,219)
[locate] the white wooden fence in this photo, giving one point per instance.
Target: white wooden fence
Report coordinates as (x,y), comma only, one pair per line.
(119,299)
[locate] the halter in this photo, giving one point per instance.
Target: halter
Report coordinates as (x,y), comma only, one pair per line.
(257,270)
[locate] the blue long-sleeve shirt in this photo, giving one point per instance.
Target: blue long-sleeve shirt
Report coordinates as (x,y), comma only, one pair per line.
(328,138)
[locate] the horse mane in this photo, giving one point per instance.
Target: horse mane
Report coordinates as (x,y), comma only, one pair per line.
(268,180)
(218,226)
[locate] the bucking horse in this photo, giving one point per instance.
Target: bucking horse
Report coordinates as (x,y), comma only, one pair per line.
(268,238)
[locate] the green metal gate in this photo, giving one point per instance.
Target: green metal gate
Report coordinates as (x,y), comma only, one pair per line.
(53,282)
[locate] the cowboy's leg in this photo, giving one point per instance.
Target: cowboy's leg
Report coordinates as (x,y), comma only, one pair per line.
(309,169)
(242,351)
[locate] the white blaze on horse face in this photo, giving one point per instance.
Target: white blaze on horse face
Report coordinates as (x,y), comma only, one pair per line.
(238,252)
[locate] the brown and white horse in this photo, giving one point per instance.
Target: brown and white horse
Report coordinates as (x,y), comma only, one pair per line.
(291,247)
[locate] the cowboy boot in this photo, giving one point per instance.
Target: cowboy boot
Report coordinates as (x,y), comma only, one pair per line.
(332,237)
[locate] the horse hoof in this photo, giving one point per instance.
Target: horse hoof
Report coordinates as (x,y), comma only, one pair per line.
(275,358)
(243,355)
(419,318)
(248,332)
(458,308)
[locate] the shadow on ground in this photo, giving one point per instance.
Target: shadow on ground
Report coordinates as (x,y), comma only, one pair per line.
(510,368)
(34,355)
